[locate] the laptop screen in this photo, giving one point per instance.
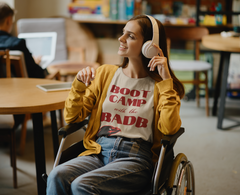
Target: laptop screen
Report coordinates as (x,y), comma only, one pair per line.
(41,44)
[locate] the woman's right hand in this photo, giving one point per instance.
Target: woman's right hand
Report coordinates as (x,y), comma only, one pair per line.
(86,75)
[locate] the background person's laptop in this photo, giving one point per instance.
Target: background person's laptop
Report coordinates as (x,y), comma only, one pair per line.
(41,44)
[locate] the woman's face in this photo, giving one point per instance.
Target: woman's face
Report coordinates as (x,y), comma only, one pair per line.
(131,41)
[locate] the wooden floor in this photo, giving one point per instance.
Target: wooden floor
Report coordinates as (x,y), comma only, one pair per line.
(214,153)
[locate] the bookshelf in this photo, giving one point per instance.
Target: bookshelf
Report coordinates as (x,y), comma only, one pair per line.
(228,11)
(113,28)
(104,21)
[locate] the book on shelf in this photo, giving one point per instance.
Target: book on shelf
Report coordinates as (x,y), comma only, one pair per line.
(121,9)
(137,7)
(122,14)
(113,10)
(129,9)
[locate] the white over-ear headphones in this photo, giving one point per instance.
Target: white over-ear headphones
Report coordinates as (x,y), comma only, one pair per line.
(148,49)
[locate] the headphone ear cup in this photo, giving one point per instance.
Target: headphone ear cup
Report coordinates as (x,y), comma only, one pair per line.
(148,50)
(145,48)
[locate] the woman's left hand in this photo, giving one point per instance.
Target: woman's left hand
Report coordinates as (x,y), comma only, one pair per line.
(161,63)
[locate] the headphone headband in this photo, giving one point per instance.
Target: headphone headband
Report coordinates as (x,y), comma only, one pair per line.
(155,38)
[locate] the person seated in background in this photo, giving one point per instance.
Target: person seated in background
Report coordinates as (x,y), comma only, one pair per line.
(7,41)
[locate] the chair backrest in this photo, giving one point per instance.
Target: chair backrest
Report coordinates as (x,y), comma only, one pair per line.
(187,33)
(5,57)
(15,58)
(28,25)
(18,61)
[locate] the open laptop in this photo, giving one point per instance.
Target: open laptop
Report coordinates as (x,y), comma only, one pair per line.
(41,44)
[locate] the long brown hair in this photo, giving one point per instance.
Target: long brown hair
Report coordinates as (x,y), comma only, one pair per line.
(147,33)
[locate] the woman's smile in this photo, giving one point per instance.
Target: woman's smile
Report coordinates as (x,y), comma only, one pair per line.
(122,47)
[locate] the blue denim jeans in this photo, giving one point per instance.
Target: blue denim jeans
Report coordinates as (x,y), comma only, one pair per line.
(122,167)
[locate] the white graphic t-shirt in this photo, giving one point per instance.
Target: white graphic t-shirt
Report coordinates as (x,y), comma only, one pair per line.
(128,108)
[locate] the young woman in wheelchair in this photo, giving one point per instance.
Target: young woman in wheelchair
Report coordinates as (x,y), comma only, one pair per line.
(132,106)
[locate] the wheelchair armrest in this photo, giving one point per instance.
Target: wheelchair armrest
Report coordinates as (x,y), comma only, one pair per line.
(71,128)
(169,139)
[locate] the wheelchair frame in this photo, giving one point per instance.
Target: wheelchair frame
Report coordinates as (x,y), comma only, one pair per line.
(180,181)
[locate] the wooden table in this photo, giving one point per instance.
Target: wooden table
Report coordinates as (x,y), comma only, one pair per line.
(21,96)
(226,46)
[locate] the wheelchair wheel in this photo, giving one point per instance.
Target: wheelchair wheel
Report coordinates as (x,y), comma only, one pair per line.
(181,180)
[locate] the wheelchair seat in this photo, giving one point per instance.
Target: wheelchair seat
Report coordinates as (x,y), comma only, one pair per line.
(172,175)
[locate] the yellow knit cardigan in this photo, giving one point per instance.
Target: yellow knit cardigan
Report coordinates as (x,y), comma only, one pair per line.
(83,101)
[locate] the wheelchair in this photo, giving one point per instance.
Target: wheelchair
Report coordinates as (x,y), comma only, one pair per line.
(171,176)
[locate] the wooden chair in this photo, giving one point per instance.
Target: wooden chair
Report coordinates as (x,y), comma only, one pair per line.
(5,58)
(8,131)
(190,33)
(16,58)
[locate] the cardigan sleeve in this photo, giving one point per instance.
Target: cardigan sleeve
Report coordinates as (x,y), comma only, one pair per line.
(169,108)
(79,102)
(82,100)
